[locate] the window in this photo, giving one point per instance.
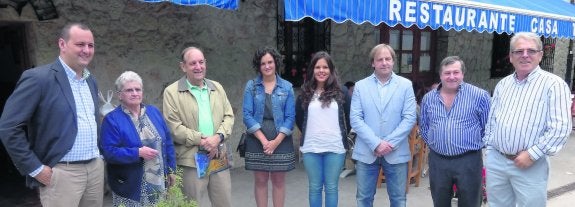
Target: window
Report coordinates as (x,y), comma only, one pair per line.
(297,41)
(413,48)
(548,54)
(415,53)
(500,65)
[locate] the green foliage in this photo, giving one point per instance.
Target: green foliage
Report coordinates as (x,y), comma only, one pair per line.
(175,197)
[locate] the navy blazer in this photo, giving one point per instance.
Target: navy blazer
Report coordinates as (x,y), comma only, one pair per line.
(39,122)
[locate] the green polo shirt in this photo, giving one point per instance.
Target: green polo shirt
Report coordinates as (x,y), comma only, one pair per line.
(202,95)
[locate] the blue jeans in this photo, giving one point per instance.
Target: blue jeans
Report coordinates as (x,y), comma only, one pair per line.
(323,170)
(395,179)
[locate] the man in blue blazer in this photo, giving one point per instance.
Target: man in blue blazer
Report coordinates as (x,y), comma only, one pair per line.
(383,112)
(49,125)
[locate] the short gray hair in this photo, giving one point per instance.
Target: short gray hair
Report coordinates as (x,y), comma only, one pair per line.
(186,50)
(128,76)
(529,36)
(450,60)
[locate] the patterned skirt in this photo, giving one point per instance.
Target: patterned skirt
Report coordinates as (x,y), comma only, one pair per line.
(282,160)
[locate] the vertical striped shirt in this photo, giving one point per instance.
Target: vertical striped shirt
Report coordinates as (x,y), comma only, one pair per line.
(533,114)
(459,129)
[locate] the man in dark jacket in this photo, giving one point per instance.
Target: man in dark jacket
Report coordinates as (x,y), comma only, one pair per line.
(49,125)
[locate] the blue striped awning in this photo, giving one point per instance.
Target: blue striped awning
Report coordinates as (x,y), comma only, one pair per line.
(221,4)
(550,18)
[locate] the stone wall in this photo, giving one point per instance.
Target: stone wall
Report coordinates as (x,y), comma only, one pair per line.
(148,38)
(351,44)
(560,58)
(350,47)
(475,50)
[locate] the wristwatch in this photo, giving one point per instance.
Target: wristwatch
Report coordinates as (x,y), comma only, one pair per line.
(221,137)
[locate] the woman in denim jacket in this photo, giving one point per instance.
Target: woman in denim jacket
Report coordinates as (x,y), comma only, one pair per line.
(269,114)
(320,116)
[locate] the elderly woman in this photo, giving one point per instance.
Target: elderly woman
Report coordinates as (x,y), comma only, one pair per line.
(137,147)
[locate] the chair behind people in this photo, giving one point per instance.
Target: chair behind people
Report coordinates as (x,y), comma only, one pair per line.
(418,149)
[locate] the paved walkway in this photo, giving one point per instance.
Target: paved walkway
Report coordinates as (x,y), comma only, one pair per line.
(561,183)
(561,186)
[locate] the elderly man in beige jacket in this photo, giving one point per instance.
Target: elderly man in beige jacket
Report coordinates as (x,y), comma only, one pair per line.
(200,117)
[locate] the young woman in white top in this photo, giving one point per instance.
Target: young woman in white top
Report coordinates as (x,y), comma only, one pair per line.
(320,117)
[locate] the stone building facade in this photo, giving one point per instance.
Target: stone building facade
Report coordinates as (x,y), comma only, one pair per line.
(148,38)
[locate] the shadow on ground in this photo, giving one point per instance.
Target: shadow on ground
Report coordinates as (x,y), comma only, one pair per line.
(13,192)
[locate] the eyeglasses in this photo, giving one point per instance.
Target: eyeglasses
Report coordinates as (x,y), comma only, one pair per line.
(132,90)
(530,52)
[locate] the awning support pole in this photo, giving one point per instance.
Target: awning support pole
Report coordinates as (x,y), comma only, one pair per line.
(570,67)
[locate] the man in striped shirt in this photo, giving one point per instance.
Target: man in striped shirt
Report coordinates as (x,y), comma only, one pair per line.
(453,118)
(529,120)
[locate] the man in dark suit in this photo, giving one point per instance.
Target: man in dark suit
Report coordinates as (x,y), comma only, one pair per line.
(49,125)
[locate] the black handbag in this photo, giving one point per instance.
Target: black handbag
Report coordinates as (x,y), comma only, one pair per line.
(242,145)
(351,139)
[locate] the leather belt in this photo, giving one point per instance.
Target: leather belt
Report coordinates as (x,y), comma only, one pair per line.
(451,157)
(79,162)
(508,156)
